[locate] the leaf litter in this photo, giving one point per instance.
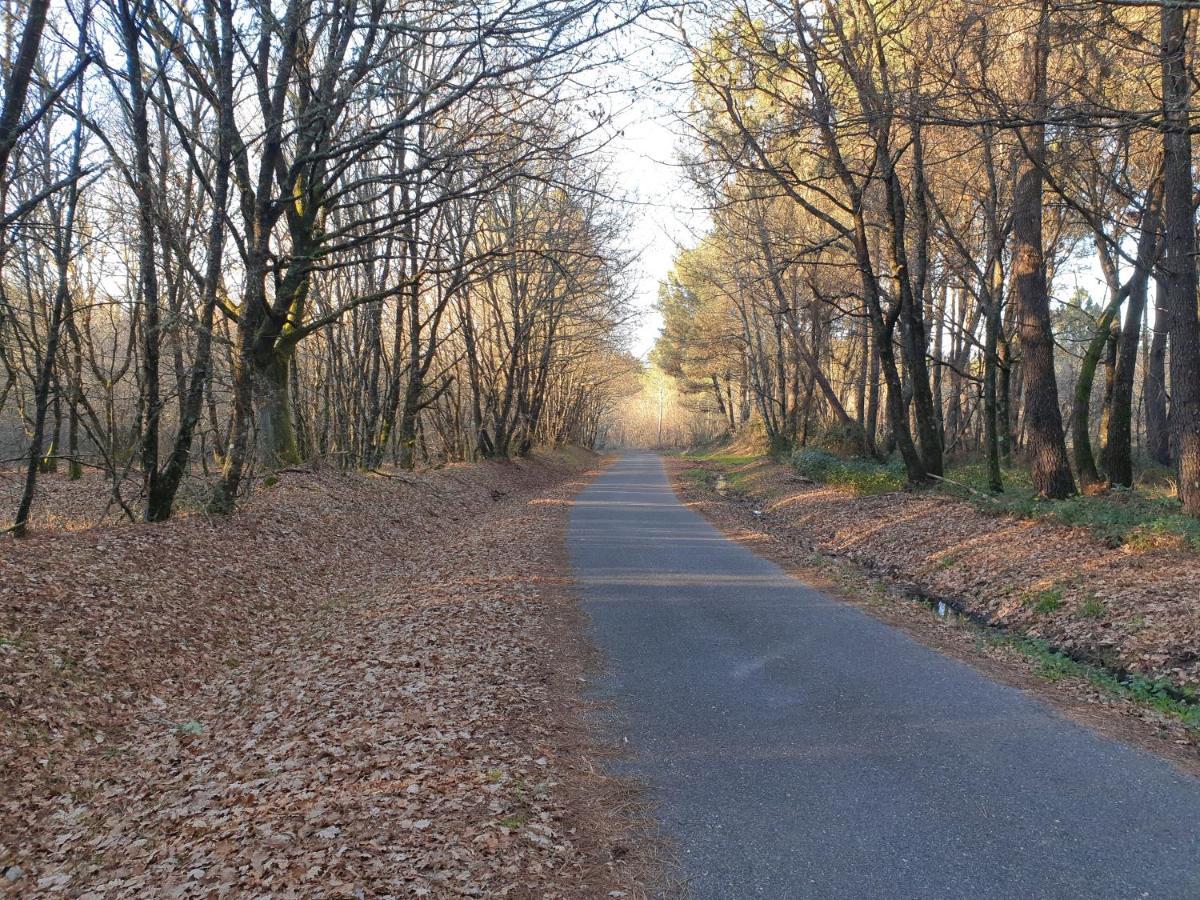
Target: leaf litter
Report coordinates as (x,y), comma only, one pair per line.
(355,686)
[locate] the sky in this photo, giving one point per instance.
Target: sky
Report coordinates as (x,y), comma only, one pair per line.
(661,213)
(643,142)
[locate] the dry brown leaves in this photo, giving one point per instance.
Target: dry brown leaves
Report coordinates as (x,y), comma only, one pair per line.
(62,505)
(346,689)
(1134,609)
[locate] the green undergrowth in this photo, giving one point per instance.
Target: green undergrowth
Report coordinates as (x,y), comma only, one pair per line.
(725,459)
(700,477)
(724,479)
(1159,694)
(731,472)
(860,475)
(1142,517)
(1045,601)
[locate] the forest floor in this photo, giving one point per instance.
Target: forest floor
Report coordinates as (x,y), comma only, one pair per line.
(1109,634)
(357,685)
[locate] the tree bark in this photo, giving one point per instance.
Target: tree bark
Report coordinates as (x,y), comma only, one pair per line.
(1043,419)
(1081,440)
(1117,455)
(63,250)
(1179,265)
(161,501)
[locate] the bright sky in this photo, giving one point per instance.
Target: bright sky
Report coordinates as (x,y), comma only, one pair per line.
(645,139)
(662,217)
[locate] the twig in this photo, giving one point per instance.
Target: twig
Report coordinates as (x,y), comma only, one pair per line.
(391,475)
(965,487)
(25,458)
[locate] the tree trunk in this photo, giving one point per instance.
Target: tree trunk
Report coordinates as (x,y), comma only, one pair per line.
(1179,266)
(161,500)
(1043,418)
(1006,413)
(49,461)
(63,249)
(276,435)
(143,186)
(872,425)
(75,465)
(908,288)
(406,432)
(1117,455)
(991,400)
(1081,439)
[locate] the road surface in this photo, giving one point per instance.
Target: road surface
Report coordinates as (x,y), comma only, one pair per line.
(797,747)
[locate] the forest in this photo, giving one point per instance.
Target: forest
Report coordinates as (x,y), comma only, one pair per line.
(240,235)
(910,201)
(419,479)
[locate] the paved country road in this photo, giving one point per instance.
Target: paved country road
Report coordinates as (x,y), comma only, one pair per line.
(796,747)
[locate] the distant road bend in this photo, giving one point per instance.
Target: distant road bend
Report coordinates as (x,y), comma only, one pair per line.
(797,747)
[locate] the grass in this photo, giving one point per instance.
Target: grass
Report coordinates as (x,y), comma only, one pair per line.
(725,459)
(1141,517)
(948,561)
(1159,694)
(1092,608)
(710,479)
(1045,601)
(729,464)
(702,477)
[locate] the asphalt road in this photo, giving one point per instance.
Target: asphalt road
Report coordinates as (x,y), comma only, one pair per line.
(796,747)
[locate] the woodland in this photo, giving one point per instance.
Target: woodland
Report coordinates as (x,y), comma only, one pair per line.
(243,235)
(259,262)
(904,196)
(239,236)
(312,312)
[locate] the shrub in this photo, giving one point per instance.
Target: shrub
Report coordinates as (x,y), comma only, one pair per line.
(814,463)
(844,440)
(861,476)
(1139,518)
